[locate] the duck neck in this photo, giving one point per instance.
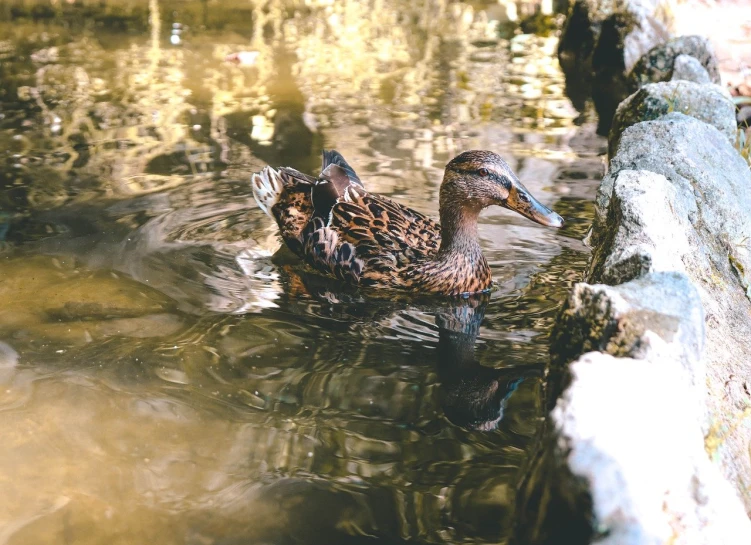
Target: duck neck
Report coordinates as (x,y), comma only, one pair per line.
(459,231)
(458,266)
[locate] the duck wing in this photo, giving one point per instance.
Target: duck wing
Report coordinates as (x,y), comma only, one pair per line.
(369,239)
(339,228)
(382,228)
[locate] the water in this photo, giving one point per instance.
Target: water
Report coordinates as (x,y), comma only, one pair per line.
(166,375)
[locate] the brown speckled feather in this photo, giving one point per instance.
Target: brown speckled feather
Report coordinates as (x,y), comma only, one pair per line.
(382,229)
(371,240)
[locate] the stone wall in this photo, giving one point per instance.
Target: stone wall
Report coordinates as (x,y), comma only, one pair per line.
(651,359)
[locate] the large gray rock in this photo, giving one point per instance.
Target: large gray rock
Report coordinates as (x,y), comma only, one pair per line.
(645,411)
(621,321)
(634,234)
(689,68)
(628,430)
(705,193)
(709,103)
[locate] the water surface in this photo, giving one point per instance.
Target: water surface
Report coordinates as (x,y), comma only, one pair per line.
(166,375)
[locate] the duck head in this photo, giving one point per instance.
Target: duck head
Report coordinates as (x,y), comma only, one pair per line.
(477,179)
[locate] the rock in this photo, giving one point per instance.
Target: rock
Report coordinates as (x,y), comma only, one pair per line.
(709,103)
(143,327)
(744,117)
(8,365)
(699,163)
(623,321)
(601,41)
(8,356)
(676,198)
(596,474)
(628,467)
(689,68)
(659,63)
(639,237)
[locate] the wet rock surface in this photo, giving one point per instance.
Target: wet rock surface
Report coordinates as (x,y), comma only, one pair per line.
(622,321)
(706,201)
(708,103)
(692,217)
(625,455)
(648,484)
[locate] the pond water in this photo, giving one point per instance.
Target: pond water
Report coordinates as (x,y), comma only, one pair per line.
(166,375)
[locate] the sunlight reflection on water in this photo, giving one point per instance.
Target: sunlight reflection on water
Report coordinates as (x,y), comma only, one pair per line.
(165,374)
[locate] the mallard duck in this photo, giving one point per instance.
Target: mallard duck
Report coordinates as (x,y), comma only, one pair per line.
(342,230)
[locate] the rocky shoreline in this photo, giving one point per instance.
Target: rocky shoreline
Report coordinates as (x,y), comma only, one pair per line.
(650,374)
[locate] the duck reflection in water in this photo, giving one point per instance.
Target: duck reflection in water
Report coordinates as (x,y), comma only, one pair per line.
(473,396)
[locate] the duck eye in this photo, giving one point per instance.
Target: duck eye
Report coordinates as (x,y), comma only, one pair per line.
(483,172)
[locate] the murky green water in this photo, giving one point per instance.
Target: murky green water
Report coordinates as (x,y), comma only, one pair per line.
(165,377)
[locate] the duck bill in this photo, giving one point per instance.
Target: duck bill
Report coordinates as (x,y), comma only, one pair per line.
(521,201)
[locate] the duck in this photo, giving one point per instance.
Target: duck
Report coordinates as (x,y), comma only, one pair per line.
(343,231)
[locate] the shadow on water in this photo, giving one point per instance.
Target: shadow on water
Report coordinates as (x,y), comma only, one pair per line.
(167,373)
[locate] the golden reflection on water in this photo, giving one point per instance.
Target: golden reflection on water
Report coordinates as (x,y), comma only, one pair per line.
(165,375)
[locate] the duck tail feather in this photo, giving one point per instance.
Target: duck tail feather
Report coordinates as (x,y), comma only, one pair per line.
(333,157)
(267,186)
